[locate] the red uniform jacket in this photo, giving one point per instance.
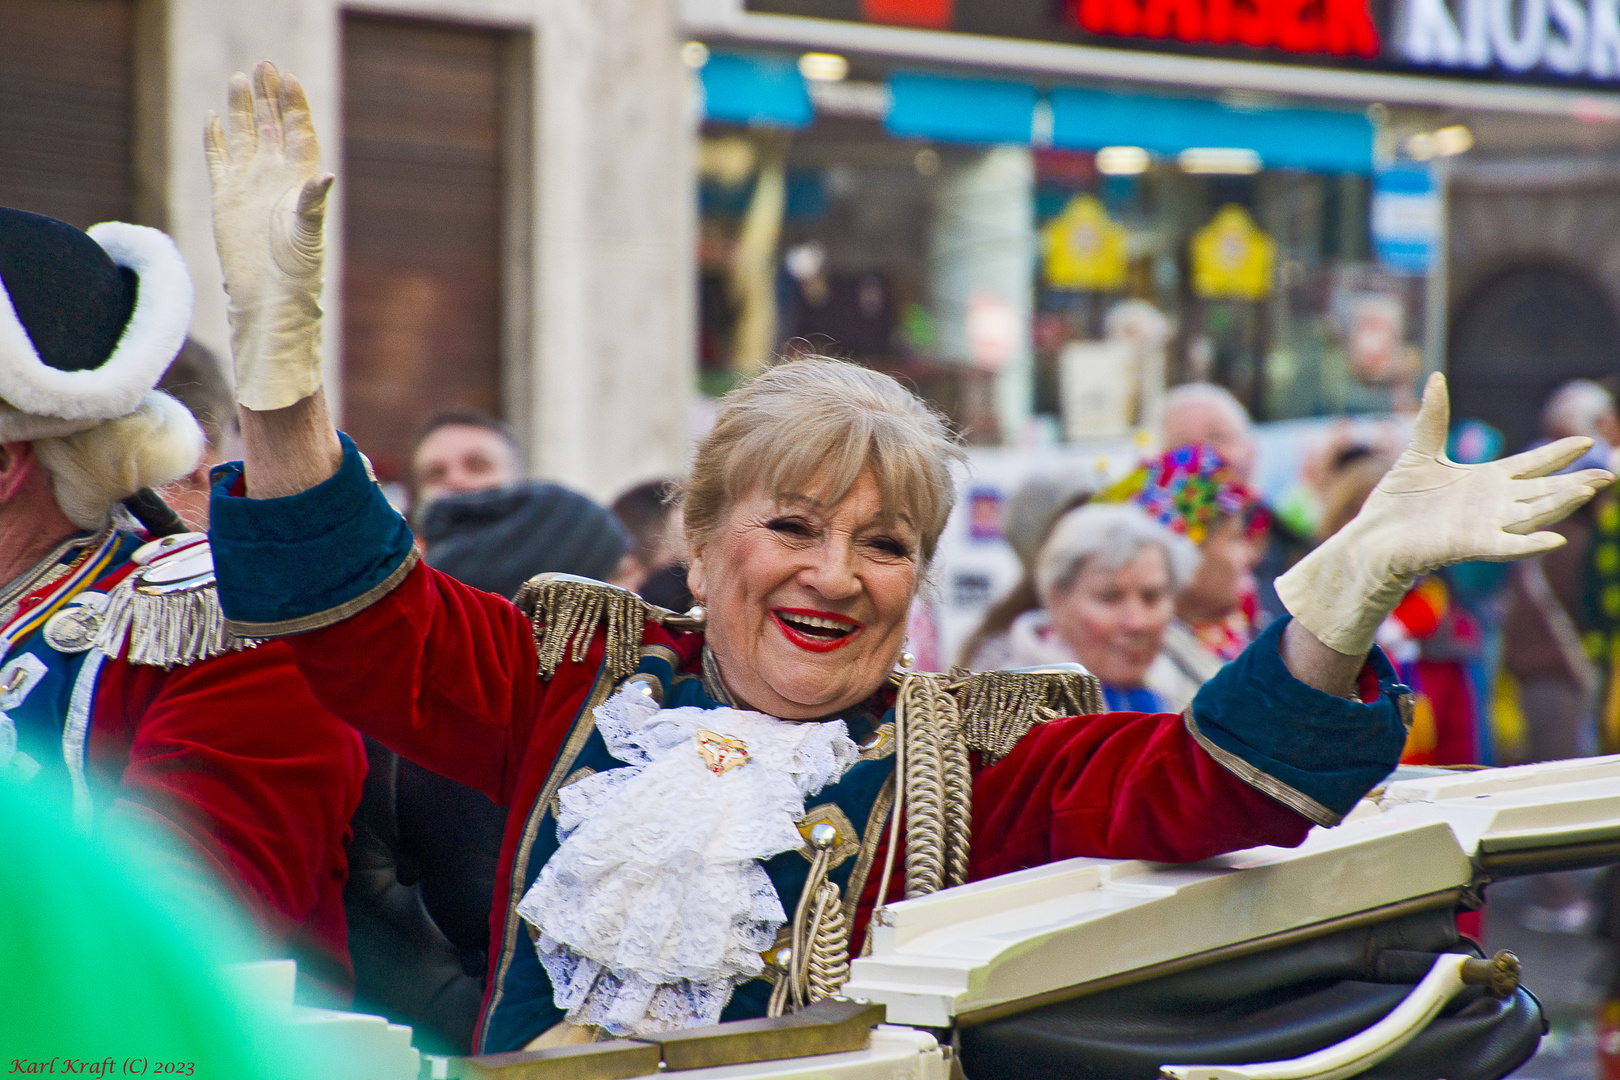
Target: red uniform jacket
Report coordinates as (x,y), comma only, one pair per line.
(235,755)
(451,682)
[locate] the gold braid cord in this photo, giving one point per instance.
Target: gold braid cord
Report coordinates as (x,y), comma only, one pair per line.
(1000,707)
(938,785)
(828,967)
(566,612)
(818,952)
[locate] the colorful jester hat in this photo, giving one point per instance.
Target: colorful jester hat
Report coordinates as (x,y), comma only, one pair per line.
(1190,490)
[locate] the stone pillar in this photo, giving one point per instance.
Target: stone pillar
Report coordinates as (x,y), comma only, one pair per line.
(615,287)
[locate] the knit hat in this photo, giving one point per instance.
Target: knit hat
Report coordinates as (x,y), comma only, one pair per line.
(1190,489)
(496,540)
(88,321)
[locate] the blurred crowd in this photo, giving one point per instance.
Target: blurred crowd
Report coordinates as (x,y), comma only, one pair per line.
(1155,581)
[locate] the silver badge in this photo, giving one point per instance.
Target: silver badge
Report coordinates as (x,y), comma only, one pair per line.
(185,570)
(73,629)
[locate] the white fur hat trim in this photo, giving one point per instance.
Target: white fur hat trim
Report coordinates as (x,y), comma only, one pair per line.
(156,330)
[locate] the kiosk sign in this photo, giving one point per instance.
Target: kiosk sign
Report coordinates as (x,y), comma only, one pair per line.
(1550,42)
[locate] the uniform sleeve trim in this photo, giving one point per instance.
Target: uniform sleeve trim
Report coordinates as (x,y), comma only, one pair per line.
(300,562)
(1296,800)
(318,620)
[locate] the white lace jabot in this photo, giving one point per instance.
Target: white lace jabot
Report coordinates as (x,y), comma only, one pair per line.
(655,906)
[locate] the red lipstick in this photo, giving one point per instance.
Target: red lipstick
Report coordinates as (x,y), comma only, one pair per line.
(809,629)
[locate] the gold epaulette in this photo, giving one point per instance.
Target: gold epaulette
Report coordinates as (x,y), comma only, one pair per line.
(1000,707)
(166,613)
(567,612)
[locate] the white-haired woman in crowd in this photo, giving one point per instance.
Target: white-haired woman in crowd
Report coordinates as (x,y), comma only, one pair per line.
(1107,578)
(705,810)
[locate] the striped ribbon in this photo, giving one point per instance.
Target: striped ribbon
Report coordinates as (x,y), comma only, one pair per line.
(85,572)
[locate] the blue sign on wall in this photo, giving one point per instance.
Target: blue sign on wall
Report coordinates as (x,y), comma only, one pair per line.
(1405,218)
(1323,140)
(960,110)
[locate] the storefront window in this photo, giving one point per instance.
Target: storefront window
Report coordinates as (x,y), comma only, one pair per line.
(1041,295)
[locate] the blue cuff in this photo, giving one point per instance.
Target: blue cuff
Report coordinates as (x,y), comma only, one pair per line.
(1307,749)
(289,565)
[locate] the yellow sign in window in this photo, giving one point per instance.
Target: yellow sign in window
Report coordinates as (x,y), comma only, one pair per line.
(1231,257)
(1084,247)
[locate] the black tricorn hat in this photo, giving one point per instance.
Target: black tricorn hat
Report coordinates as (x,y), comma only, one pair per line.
(88,321)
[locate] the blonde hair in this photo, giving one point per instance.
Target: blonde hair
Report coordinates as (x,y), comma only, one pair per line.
(92,470)
(816,420)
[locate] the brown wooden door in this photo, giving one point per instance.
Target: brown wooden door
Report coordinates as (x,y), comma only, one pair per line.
(421,190)
(67,108)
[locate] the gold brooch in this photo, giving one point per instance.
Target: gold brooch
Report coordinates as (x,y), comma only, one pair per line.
(720,752)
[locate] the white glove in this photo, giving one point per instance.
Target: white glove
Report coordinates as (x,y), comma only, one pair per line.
(1428,512)
(269,207)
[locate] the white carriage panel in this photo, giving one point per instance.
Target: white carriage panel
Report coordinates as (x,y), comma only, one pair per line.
(1549,776)
(355,1046)
(1134,915)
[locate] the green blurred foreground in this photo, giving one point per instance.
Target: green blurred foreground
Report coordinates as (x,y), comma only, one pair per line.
(103,973)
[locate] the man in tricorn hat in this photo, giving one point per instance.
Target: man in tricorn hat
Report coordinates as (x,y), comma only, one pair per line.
(121,693)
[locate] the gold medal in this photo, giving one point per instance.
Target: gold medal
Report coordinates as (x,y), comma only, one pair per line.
(720,752)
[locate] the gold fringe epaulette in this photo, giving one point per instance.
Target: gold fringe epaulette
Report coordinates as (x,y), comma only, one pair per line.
(567,612)
(166,624)
(999,707)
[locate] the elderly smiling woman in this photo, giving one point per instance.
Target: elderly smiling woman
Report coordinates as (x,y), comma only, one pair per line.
(704,809)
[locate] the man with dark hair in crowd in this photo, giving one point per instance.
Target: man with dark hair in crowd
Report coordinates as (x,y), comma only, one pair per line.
(425,850)
(462,450)
(486,526)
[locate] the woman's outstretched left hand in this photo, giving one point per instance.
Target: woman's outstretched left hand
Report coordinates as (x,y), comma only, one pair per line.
(1427,512)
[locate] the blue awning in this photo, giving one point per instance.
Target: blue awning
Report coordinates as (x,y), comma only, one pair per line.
(960,110)
(766,89)
(1322,140)
(755,90)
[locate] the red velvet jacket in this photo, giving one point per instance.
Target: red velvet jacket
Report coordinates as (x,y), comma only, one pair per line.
(234,755)
(451,682)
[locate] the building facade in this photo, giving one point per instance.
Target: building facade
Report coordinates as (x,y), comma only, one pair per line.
(1395,187)
(576,213)
(513,221)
